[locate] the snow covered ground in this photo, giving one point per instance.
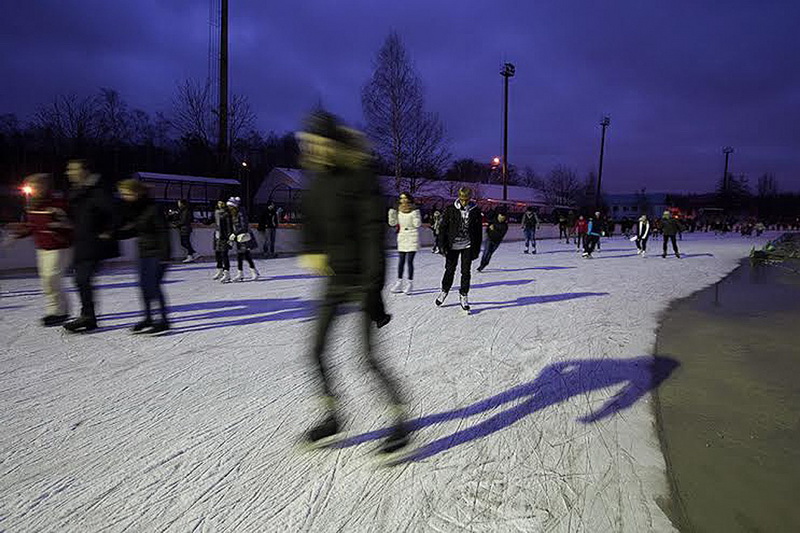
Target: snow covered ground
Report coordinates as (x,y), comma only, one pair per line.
(535,411)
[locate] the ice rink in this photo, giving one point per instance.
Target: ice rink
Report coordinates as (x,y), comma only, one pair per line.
(532,414)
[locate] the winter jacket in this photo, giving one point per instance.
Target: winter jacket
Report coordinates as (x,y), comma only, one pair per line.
(642,229)
(407,229)
(670,226)
(496,231)
(581,226)
(241,227)
(345,221)
(453,223)
(223,229)
(93,213)
(184,224)
(594,228)
(437,223)
(47,221)
(530,220)
(268,219)
(145,220)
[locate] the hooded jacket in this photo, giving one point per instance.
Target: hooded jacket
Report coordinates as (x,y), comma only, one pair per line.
(530,220)
(145,220)
(93,214)
(452,225)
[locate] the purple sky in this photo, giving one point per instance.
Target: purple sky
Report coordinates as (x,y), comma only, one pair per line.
(680,79)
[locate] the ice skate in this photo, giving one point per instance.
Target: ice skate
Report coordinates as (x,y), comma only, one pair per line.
(54,320)
(397,439)
(81,325)
(397,287)
(141,326)
(256,274)
(382,321)
(238,277)
(409,287)
(323,434)
(158,327)
(441,298)
(189,258)
(226,277)
(218,275)
(464,302)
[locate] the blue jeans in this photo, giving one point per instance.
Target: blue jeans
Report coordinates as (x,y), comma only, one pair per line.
(269,242)
(488,251)
(530,237)
(151,274)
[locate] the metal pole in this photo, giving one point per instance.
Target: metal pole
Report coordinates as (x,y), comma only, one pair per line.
(505,138)
(604,123)
(727,151)
(222,147)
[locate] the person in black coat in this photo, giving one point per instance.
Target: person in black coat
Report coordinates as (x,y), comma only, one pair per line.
(145,221)
(94,217)
(268,225)
(495,233)
(184,225)
(460,237)
(344,239)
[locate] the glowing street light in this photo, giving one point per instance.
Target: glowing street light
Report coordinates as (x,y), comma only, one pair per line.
(496,162)
(27,190)
(244,163)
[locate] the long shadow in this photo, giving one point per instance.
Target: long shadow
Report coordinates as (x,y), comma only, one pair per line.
(696,255)
(614,256)
(100,286)
(572,250)
(556,383)
(502,283)
(532,300)
(217,314)
(528,268)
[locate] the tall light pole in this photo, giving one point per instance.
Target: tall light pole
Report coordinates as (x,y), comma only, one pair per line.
(508,72)
(222,140)
(728,150)
(604,123)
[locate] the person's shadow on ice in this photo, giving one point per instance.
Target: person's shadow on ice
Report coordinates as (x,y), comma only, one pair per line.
(556,383)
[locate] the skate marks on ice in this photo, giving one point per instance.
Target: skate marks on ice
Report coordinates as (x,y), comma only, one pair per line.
(527,268)
(557,383)
(531,300)
(504,283)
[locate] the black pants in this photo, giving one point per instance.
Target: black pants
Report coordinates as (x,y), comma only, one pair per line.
(151,274)
(241,256)
(186,242)
(450,262)
(590,241)
(562,232)
(406,256)
(674,244)
(223,261)
(488,252)
(84,272)
(335,296)
(269,242)
(580,240)
(642,244)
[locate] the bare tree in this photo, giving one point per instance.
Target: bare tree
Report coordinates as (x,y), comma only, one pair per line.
(405,137)
(68,118)
(192,112)
(767,185)
(113,118)
(562,186)
(241,118)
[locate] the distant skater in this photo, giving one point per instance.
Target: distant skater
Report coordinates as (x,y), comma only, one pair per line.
(642,234)
(670,228)
(530,223)
(407,219)
(495,232)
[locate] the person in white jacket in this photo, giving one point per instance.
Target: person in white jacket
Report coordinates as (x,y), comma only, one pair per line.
(642,233)
(407,220)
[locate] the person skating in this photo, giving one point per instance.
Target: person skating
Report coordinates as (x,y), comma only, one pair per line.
(436,224)
(407,220)
(223,228)
(460,238)
(642,234)
(344,239)
(46,220)
(184,225)
(145,221)
(94,218)
(562,228)
(268,227)
(592,237)
(581,227)
(670,228)
(530,223)
(495,232)
(242,239)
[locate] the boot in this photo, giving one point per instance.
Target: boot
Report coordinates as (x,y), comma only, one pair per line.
(256,274)
(409,287)
(462,299)
(159,327)
(81,324)
(218,275)
(54,320)
(399,436)
(441,298)
(226,277)
(382,321)
(144,324)
(323,431)
(238,276)
(397,287)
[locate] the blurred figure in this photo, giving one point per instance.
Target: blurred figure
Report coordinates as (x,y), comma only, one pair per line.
(407,219)
(581,228)
(268,225)
(670,228)
(223,227)
(241,239)
(530,223)
(144,220)
(460,238)
(495,233)
(592,236)
(184,225)
(94,219)
(47,222)
(436,224)
(642,234)
(343,238)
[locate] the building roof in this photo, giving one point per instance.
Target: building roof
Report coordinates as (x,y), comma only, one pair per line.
(156,177)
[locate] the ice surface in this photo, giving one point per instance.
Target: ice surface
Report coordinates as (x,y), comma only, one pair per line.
(532,415)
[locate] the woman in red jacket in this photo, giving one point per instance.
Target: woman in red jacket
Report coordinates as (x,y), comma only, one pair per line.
(581,228)
(46,220)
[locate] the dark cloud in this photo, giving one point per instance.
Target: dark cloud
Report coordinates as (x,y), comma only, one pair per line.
(679,79)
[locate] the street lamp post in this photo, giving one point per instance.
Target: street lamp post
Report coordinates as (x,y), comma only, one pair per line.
(728,150)
(604,123)
(508,72)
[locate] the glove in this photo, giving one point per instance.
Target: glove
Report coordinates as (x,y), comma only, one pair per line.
(317,263)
